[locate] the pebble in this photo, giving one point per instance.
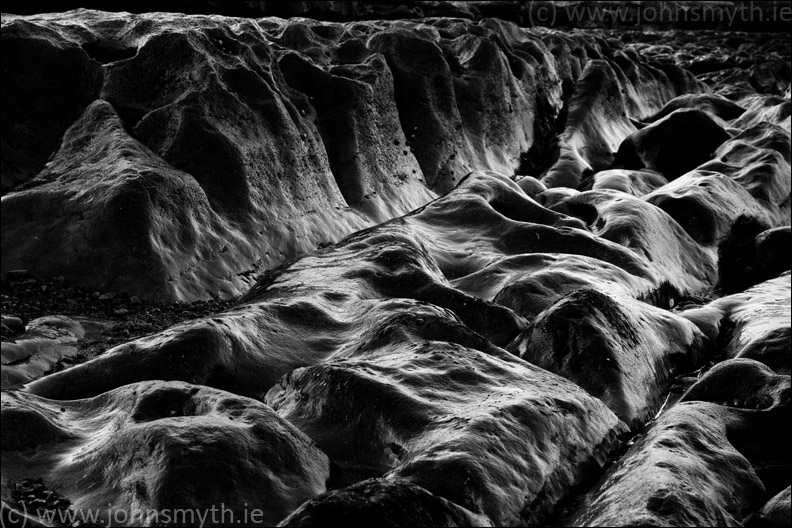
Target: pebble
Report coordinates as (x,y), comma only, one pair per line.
(121,311)
(135,300)
(107,296)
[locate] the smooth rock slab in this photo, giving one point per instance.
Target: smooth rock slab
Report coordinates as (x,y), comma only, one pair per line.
(650,232)
(715,105)
(382,502)
(758,159)
(673,145)
(531,283)
(247,351)
(489,432)
(44,342)
(162,446)
(754,324)
(707,205)
(621,351)
(684,472)
(488,217)
(635,182)
(766,397)
(743,383)
(766,108)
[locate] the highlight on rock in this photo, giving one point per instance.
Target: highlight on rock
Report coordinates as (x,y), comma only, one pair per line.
(377,264)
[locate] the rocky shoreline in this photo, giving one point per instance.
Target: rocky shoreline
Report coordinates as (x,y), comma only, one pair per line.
(435,272)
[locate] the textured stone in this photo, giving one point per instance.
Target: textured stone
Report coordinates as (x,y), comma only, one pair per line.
(202,447)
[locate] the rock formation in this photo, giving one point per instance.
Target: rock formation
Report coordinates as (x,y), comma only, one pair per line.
(483,274)
(149,447)
(210,149)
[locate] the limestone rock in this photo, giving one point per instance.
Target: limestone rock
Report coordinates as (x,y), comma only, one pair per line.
(157,447)
(45,340)
(754,324)
(673,145)
(276,136)
(491,433)
(382,502)
(684,472)
(620,351)
(743,383)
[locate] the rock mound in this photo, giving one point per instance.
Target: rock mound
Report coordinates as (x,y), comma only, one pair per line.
(160,447)
(382,502)
(685,472)
(468,427)
(623,352)
(673,145)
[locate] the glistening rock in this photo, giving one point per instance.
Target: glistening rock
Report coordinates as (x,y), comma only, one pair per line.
(158,447)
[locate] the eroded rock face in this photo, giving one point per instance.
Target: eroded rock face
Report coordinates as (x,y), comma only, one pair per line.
(208,149)
(647,231)
(636,182)
(42,343)
(487,228)
(162,446)
(685,472)
(728,201)
(743,383)
(673,145)
(714,105)
(621,351)
(495,435)
(182,89)
(476,361)
(382,502)
(613,90)
(758,398)
(754,324)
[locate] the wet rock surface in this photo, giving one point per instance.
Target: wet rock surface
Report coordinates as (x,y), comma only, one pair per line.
(385,502)
(470,428)
(358,123)
(436,272)
(44,342)
(90,450)
(685,472)
(623,352)
(753,324)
